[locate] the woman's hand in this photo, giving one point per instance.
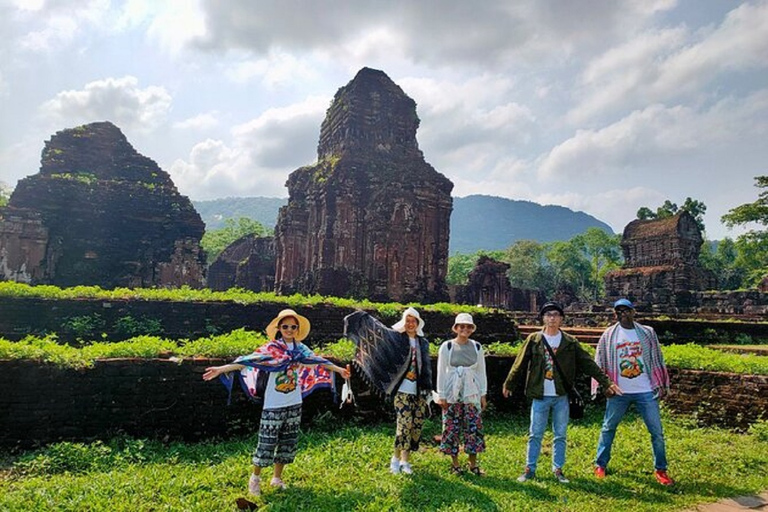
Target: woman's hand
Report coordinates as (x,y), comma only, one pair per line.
(212,372)
(443,403)
(344,372)
(505,392)
(483,403)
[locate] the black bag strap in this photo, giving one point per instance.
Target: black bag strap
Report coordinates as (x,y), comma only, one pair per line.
(570,387)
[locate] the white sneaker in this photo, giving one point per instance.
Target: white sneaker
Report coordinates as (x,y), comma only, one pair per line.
(254,485)
(406,468)
(394,465)
(277,482)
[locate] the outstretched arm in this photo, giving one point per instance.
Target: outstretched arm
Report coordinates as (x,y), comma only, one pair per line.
(214,371)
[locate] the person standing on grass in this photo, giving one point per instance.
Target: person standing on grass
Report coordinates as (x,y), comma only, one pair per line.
(545,387)
(396,363)
(292,371)
(462,386)
(630,354)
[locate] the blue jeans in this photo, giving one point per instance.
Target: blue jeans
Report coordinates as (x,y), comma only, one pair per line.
(539,419)
(648,408)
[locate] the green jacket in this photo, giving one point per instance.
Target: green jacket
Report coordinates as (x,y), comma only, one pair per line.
(571,356)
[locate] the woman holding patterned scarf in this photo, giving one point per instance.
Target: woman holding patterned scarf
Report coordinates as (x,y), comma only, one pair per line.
(292,371)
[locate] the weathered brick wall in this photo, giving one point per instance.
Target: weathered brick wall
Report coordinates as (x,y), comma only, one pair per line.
(22,316)
(161,398)
(726,399)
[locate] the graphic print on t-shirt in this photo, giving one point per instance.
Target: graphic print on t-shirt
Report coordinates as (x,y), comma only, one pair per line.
(630,359)
(549,368)
(411,373)
(285,382)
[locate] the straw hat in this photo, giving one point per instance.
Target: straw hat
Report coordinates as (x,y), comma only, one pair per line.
(274,325)
(400,326)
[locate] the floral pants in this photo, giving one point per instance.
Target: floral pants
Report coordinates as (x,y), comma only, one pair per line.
(462,420)
(411,411)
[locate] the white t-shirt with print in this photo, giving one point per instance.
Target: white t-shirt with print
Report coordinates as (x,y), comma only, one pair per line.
(549,367)
(633,373)
(283,389)
(408,386)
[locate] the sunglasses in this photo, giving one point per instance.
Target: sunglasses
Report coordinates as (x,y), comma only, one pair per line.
(465,326)
(291,327)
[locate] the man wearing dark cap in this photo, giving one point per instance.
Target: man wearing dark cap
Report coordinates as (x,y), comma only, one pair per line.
(545,387)
(630,354)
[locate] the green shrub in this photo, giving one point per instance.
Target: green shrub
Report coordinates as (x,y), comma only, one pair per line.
(696,357)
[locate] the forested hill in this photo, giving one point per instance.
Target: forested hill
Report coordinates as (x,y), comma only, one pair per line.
(477,222)
(493,223)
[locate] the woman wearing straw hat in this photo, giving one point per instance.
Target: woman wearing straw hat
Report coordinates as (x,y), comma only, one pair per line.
(461,388)
(293,371)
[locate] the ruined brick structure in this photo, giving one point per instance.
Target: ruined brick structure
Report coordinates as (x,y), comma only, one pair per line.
(489,286)
(371,217)
(99,213)
(247,263)
(661,265)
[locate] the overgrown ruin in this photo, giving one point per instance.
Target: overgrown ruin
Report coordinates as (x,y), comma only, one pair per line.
(99,213)
(247,263)
(661,263)
(371,217)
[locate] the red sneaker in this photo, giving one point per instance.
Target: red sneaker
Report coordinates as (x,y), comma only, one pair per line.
(599,472)
(663,478)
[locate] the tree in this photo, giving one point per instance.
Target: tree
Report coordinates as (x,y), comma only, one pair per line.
(752,246)
(214,242)
(529,267)
(5,194)
(571,267)
(723,263)
(460,265)
(696,208)
(603,251)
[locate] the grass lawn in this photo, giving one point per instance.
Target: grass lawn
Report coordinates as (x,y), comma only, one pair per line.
(344,467)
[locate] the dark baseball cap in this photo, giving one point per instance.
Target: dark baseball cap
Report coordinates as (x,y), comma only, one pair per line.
(550,306)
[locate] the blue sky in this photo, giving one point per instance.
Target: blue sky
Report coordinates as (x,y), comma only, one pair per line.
(600,106)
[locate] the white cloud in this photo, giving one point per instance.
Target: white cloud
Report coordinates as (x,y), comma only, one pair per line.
(259,157)
(119,100)
(199,122)
(52,25)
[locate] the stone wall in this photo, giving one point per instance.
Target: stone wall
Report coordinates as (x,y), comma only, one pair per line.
(167,399)
(22,316)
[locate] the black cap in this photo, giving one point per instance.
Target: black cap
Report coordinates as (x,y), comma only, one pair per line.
(551,305)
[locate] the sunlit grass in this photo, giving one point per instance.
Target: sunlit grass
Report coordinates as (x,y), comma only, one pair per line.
(345,468)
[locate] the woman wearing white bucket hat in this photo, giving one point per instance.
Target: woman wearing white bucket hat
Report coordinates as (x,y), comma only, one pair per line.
(461,388)
(396,363)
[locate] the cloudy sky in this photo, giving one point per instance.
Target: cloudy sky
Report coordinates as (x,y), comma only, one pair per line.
(597,105)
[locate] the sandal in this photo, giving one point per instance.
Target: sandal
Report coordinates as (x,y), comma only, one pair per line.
(456,470)
(477,471)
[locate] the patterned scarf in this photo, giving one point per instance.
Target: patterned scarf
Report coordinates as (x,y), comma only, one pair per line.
(275,356)
(383,355)
(607,358)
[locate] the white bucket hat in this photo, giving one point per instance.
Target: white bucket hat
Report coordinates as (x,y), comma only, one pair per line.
(400,326)
(464,318)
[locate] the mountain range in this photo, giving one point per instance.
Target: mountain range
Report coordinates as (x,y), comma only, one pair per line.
(477,222)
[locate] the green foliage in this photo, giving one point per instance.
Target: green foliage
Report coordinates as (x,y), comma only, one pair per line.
(215,241)
(723,263)
(87,178)
(500,348)
(696,208)
(759,430)
(128,326)
(752,246)
(5,194)
(696,357)
(342,350)
(529,267)
(86,327)
(124,474)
